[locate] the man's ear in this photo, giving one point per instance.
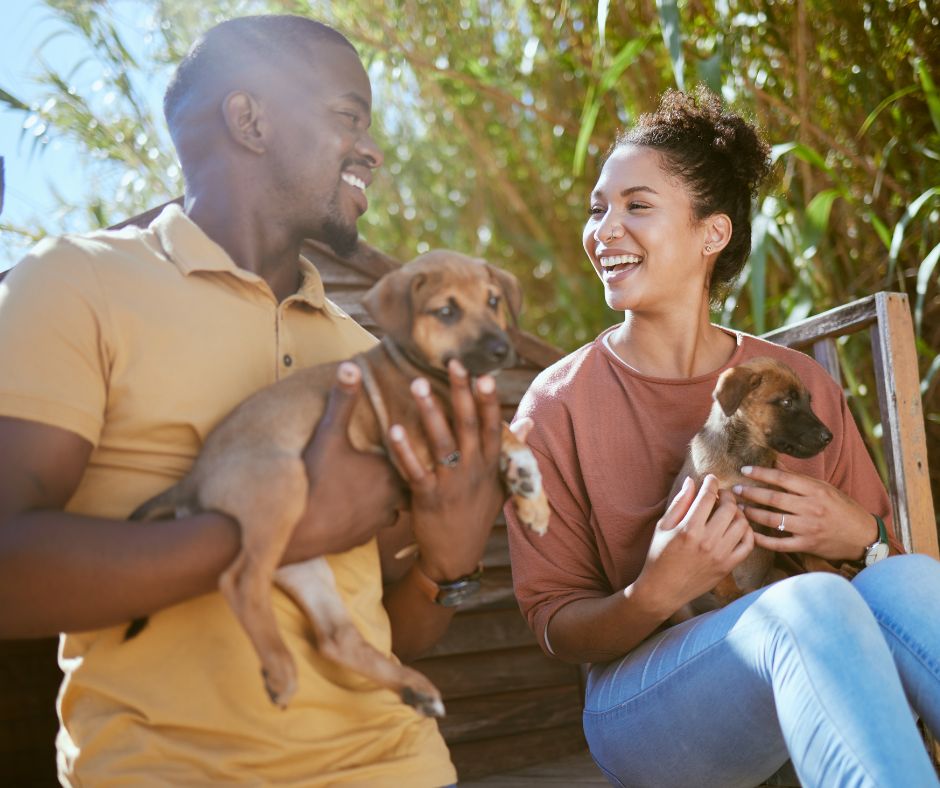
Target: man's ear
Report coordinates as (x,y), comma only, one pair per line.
(243,119)
(390,302)
(733,386)
(509,285)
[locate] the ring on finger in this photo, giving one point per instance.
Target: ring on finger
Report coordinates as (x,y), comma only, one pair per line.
(450,460)
(783,523)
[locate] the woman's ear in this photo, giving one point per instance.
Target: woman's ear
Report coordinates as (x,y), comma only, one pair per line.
(717,233)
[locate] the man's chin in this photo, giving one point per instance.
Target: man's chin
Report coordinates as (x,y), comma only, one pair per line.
(341,240)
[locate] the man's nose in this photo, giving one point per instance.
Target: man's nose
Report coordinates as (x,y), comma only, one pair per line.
(372,153)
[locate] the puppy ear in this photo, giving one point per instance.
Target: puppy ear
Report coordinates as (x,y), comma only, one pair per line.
(509,285)
(390,304)
(733,386)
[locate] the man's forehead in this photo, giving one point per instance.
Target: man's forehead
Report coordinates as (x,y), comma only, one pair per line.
(330,71)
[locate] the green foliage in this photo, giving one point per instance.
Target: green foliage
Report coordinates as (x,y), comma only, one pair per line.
(495,115)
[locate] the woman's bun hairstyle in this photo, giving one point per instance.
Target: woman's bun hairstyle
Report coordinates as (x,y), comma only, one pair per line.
(718,155)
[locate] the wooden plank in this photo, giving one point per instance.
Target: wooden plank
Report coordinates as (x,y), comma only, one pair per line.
(536,350)
(490,716)
(841,320)
(496,591)
(466,675)
(470,633)
(571,771)
(827,354)
(479,758)
(902,421)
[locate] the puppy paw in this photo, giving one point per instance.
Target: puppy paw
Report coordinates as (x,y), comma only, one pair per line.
(427,704)
(523,481)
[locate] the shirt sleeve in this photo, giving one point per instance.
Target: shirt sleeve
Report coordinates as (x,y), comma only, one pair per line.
(53,354)
(563,565)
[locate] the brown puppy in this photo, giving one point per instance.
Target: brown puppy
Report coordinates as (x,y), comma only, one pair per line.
(438,307)
(761,409)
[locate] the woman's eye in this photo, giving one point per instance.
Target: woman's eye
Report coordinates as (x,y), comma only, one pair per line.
(637,206)
(595,210)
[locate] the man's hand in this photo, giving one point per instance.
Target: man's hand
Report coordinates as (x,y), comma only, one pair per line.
(352,494)
(454,506)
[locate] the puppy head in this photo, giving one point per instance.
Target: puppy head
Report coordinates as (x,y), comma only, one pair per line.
(445,305)
(769,399)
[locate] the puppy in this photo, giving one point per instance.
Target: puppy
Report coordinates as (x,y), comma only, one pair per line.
(440,306)
(761,409)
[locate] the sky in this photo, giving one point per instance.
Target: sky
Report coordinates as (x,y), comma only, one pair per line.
(33,177)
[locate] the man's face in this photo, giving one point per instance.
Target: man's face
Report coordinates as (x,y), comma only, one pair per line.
(322,155)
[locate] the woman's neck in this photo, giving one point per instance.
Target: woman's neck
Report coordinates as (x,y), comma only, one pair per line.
(678,344)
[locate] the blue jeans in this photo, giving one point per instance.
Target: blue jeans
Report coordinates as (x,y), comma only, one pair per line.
(813,668)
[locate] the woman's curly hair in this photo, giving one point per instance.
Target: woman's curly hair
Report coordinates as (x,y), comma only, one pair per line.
(718,155)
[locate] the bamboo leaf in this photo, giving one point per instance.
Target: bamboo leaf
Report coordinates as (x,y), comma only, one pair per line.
(603,7)
(12,101)
(817,217)
(899,229)
(884,104)
(757,279)
(925,275)
(930,91)
(672,36)
(801,151)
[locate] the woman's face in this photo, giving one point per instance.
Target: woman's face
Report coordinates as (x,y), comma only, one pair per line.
(641,235)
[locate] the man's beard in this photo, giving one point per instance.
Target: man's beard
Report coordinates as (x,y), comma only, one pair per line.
(341,237)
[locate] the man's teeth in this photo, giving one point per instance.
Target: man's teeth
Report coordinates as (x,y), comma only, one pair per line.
(352,180)
(620,259)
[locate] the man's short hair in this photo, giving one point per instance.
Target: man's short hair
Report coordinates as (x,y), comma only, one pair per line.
(233,46)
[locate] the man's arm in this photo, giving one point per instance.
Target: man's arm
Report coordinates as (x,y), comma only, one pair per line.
(62,572)
(453,508)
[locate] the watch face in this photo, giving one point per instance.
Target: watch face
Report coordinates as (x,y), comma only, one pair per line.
(457,592)
(876,553)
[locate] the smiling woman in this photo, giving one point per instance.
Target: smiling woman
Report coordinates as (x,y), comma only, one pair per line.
(725,698)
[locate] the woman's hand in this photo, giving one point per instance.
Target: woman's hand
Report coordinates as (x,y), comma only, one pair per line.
(696,543)
(352,494)
(818,518)
(454,506)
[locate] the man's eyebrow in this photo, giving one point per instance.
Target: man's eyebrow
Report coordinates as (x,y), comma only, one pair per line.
(358,99)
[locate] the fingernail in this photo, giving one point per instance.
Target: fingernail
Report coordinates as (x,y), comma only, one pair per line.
(420,387)
(396,432)
(741,506)
(738,489)
(685,484)
(347,372)
(457,368)
(746,470)
(486,384)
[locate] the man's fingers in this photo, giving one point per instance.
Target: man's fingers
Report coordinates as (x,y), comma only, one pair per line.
(416,475)
(491,417)
(440,438)
(465,408)
(343,395)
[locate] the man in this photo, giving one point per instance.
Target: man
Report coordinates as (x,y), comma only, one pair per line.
(119,351)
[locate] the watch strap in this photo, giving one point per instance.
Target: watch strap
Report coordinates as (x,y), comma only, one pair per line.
(435,591)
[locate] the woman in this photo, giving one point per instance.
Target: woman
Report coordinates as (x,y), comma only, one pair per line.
(814,668)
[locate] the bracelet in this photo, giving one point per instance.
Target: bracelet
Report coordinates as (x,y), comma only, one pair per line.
(447,594)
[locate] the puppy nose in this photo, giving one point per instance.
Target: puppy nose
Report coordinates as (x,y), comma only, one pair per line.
(496,348)
(825,436)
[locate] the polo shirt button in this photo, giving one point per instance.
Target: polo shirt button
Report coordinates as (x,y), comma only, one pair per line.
(288,360)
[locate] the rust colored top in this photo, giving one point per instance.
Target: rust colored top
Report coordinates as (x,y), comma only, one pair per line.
(610,442)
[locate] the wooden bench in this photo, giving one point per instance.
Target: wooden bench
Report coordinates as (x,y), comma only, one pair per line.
(509,706)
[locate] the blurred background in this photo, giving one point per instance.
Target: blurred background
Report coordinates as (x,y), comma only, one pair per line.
(494,116)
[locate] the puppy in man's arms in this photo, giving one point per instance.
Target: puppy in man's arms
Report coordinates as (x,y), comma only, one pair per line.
(761,409)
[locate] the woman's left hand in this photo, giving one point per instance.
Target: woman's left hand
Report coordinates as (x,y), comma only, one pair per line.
(817,518)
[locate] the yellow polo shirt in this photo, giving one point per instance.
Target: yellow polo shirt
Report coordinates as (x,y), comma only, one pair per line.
(141,341)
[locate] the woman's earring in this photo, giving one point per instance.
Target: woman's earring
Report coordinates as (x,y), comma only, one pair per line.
(708,248)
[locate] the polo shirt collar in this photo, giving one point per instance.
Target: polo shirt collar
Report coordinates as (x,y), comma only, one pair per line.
(190,249)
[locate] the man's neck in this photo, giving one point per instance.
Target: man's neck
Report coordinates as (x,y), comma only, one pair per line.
(255,241)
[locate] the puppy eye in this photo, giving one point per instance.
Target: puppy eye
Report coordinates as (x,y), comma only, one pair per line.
(447,314)
(786,403)
(493,302)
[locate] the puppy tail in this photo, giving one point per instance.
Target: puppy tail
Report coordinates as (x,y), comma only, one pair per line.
(161,507)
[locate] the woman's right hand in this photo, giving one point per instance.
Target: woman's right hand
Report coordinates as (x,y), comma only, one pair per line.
(698,541)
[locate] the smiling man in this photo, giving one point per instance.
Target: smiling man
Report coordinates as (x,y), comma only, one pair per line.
(119,351)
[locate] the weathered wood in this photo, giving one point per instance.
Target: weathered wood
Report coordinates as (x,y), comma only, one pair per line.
(469,675)
(571,771)
(902,421)
(837,322)
(477,758)
(827,354)
(496,591)
(482,631)
(489,716)
(511,384)
(536,350)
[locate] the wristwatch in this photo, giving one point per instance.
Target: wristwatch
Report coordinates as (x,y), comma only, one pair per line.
(879,549)
(451,593)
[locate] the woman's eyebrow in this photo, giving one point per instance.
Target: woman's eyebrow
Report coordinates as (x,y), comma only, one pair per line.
(634,189)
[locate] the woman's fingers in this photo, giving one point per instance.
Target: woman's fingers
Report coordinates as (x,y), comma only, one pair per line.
(679,506)
(767,497)
(786,480)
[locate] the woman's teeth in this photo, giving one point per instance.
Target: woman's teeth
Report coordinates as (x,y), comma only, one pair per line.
(620,259)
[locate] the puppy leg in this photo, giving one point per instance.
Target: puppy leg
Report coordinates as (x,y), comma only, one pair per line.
(520,473)
(267,499)
(313,587)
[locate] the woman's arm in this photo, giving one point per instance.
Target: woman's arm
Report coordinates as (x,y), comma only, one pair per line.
(698,541)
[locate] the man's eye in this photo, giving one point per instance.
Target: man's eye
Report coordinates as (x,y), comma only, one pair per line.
(351,118)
